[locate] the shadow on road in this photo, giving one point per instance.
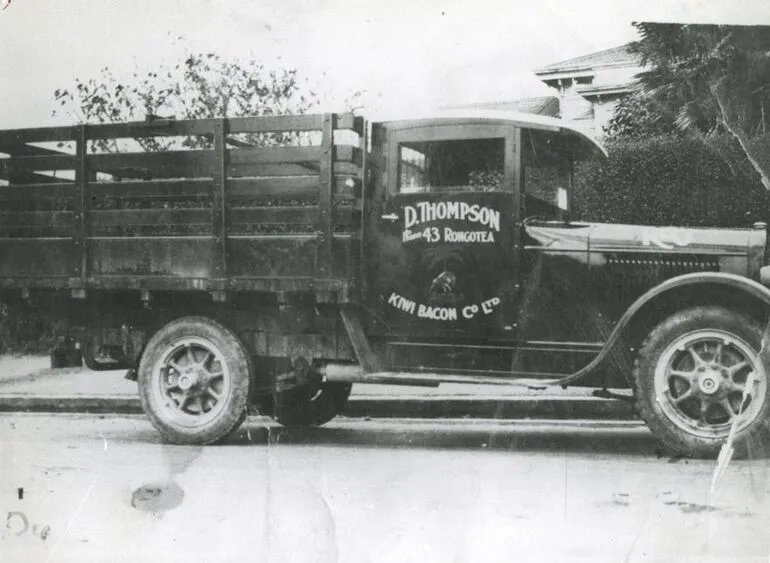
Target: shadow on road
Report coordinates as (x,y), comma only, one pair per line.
(622,440)
(625,440)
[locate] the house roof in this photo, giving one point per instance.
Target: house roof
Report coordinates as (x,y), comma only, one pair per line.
(614,56)
(543,105)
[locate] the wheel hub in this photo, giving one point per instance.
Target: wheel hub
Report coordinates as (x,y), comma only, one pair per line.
(188,380)
(710,382)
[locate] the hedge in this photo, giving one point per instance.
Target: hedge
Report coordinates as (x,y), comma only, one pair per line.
(671,181)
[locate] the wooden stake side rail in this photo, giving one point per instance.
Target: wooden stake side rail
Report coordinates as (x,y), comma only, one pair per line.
(231,216)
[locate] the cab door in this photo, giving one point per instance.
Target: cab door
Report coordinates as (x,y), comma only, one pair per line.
(444,254)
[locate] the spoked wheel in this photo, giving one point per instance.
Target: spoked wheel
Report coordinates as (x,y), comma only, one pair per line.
(698,374)
(194,381)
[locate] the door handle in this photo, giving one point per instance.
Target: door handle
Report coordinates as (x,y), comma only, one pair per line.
(392,217)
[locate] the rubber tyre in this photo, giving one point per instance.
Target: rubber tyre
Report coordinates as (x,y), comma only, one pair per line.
(57,360)
(66,358)
(235,362)
(678,326)
(307,406)
(89,359)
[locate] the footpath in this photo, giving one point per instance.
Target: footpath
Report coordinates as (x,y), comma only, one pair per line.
(27,384)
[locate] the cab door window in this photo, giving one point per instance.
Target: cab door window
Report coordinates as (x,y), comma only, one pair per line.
(468,165)
(546,174)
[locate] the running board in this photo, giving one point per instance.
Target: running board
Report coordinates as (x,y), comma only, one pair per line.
(352,373)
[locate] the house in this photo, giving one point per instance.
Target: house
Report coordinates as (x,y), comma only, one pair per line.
(590,86)
(544,105)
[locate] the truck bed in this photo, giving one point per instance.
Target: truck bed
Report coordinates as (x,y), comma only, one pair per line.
(269,204)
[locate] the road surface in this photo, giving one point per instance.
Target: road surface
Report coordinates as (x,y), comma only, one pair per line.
(105,489)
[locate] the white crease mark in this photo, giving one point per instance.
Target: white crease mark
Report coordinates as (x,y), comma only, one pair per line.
(73,518)
(727,450)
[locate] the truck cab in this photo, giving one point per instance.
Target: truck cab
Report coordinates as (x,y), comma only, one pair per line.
(448,255)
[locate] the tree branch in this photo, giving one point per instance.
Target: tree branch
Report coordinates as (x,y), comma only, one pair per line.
(719,91)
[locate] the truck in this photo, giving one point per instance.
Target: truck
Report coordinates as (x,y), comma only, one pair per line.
(277,260)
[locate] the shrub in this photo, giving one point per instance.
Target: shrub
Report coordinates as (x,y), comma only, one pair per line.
(671,181)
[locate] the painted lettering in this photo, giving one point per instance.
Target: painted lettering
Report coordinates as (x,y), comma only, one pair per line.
(489,305)
(451,235)
(437,313)
(469,311)
(427,211)
(401,303)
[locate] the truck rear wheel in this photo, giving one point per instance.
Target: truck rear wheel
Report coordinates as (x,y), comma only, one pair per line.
(194,380)
(691,376)
(310,405)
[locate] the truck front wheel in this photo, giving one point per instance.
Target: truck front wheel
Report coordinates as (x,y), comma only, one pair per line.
(194,380)
(697,375)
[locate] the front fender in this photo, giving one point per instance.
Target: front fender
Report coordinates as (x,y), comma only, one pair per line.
(732,281)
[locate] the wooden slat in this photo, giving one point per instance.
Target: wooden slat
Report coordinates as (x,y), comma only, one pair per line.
(29,178)
(160,282)
(162,163)
(137,217)
(35,257)
(277,170)
(26,192)
(153,128)
(12,137)
(182,127)
(201,127)
(38,219)
(144,189)
(275,124)
(291,186)
(347,168)
(351,122)
(151,256)
(273,215)
(31,150)
(347,153)
(32,163)
(273,155)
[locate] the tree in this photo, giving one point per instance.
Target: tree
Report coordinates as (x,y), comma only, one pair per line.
(201,86)
(711,79)
(637,116)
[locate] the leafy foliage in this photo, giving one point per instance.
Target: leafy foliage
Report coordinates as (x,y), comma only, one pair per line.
(670,180)
(637,116)
(706,80)
(201,86)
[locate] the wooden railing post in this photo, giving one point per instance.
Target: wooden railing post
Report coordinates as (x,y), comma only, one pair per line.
(80,208)
(324,230)
(219,202)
